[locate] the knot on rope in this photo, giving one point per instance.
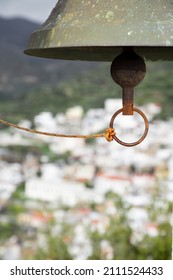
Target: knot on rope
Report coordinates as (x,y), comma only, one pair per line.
(109,134)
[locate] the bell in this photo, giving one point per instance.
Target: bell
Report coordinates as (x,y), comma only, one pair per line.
(124,32)
(97,30)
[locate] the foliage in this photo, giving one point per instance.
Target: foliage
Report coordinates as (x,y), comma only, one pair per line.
(157,248)
(19,193)
(37,149)
(119,235)
(90,89)
(56,246)
(7,230)
(56,250)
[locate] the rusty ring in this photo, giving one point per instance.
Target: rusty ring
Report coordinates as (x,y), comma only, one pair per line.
(145,131)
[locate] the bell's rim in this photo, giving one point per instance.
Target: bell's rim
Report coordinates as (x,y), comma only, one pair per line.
(101,53)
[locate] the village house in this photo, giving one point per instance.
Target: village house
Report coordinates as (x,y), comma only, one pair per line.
(105,183)
(63,192)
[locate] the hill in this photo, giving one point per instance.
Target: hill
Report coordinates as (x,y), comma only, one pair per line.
(19,72)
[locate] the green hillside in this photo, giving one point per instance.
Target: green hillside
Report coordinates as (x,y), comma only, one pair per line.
(90,89)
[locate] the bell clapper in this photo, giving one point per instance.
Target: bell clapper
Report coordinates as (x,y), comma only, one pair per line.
(128,70)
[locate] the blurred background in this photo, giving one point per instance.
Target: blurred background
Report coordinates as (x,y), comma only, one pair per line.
(72,198)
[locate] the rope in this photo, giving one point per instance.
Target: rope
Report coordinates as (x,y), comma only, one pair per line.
(109,133)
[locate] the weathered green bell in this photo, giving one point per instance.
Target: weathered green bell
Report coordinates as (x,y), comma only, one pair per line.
(98,29)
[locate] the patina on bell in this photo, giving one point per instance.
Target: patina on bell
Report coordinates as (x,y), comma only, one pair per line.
(98,29)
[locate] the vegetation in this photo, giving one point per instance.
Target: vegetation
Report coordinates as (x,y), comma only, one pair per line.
(7,230)
(120,236)
(56,250)
(90,89)
(37,149)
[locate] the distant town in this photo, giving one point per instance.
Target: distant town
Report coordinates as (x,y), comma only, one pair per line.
(65,174)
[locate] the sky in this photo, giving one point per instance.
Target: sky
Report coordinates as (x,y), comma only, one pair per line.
(35,10)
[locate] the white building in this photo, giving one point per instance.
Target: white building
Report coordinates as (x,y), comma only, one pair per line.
(61,191)
(104,183)
(80,172)
(10,173)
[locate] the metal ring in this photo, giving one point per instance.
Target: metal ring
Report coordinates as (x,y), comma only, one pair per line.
(145,131)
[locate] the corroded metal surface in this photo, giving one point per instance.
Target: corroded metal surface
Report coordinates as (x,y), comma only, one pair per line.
(145,130)
(97,30)
(128,70)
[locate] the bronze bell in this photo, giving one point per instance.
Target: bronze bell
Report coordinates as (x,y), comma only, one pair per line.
(125,32)
(96,30)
